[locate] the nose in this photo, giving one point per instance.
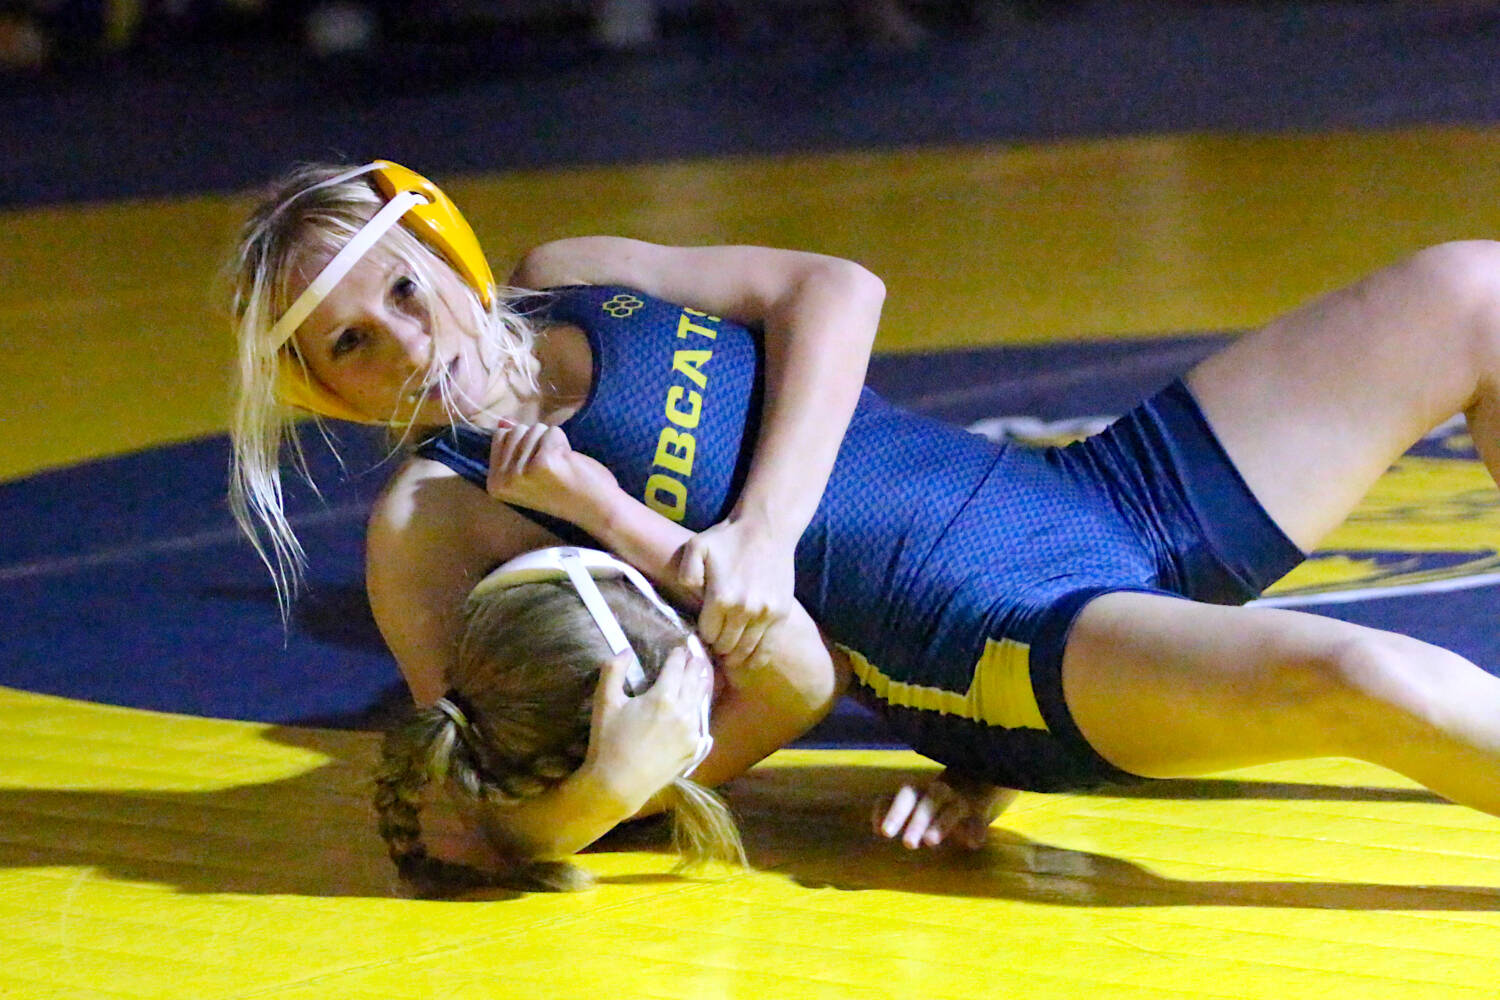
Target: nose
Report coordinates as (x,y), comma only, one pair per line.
(412,342)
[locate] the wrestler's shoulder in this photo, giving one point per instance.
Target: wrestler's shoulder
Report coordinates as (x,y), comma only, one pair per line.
(426,504)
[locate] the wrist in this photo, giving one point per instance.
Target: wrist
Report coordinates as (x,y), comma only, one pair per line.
(768,520)
(612,788)
(598,511)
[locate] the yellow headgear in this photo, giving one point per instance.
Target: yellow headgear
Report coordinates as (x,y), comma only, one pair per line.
(431,215)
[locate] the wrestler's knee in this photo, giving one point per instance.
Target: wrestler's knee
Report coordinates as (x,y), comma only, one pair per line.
(1368,688)
(1459,281)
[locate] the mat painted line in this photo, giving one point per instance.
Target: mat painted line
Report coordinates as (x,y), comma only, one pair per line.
(64,565)
(1376,593)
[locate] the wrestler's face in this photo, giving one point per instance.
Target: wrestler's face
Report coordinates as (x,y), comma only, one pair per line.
(385,345)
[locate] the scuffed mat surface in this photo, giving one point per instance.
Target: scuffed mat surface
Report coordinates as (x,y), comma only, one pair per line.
(149,855)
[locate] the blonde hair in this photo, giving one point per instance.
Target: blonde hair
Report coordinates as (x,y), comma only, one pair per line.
(305,215)
(527,667)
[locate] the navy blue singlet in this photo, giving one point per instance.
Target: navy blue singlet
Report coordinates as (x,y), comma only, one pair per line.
(947,566)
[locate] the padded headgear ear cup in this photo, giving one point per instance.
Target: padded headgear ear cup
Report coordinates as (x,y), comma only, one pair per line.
(298,386)
(440,225)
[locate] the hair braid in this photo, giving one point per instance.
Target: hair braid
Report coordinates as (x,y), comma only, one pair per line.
(428,748)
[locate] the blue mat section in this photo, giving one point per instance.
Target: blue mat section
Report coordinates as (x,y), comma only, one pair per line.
(128,582)
(125,581)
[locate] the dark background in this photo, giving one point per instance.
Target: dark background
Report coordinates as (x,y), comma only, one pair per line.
(221,97)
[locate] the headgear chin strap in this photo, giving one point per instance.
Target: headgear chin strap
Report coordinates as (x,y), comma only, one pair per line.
(581,566)
(431,215)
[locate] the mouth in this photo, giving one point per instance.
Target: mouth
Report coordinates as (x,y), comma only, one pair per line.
(432,386)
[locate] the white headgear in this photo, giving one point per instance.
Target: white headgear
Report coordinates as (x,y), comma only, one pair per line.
(582,567)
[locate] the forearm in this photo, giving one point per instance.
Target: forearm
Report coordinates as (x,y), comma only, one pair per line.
(568,817)
(819,315)
(818,340)
(764,708)
(638,535)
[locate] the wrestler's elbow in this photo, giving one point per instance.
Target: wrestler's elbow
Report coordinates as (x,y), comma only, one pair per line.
(854,284)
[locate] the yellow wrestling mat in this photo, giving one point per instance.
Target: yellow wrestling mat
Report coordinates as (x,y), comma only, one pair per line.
(163,856)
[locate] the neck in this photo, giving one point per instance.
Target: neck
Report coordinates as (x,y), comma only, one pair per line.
(552,386)
(565,372)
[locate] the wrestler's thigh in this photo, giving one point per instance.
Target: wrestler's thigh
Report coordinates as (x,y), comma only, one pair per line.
(1164,687)
(1313,408)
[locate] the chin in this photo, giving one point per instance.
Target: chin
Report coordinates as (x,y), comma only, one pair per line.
(435,411)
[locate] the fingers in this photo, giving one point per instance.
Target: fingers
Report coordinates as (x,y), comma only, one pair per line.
(609,698)
(610,693)
(665,723)
(745,588)
(518,444)
(919,822)
(690,678)
(684,680)
(692,566)
(949,818)
(712,620)
(744,652)
(931,817)
(731,630)
(553,442)
(517,448)
(731,624)
(674,674)
(711,623)
(900,809)
(740,618)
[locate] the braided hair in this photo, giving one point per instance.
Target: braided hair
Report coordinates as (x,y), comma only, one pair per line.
(430,748)
(516,723)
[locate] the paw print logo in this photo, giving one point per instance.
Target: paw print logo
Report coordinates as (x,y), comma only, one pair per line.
(622,305)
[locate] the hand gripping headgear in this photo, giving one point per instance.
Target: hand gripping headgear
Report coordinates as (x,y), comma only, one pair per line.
(581,567)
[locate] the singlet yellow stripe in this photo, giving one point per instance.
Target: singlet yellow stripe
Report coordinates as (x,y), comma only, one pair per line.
(999,695)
